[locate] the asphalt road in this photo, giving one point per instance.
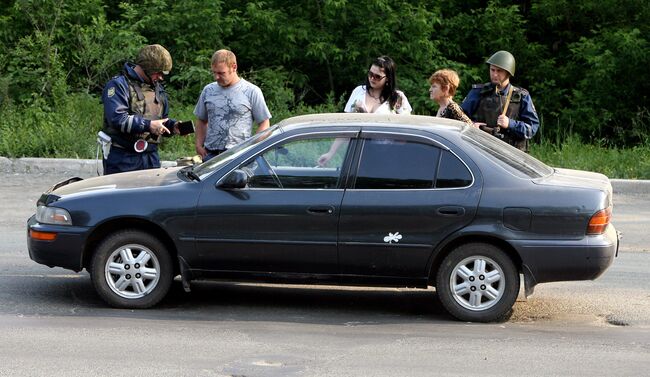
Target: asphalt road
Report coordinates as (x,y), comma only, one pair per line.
(53,324)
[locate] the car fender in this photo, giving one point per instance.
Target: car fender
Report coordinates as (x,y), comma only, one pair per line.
(486,233)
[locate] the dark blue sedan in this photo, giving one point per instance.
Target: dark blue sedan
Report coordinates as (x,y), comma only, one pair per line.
(350,199)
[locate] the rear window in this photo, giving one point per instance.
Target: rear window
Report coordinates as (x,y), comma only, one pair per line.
(512,159)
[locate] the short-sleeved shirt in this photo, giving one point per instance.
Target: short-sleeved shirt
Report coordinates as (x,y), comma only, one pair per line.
(230,113)
(357,103)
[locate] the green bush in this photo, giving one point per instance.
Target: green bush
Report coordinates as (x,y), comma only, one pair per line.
(69,131)
(584,62)
(41,131)
(630,163)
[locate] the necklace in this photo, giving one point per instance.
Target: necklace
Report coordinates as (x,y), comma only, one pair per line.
(377,97)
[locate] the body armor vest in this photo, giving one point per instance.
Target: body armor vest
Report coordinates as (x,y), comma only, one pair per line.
(491,106)
(144,100)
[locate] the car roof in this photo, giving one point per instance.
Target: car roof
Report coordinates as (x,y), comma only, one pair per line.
(419,122)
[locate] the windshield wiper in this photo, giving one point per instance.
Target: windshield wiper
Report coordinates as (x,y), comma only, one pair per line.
(189,173)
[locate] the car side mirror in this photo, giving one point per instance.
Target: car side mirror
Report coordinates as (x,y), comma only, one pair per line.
(237,179)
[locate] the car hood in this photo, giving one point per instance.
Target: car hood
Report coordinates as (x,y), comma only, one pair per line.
(130,180)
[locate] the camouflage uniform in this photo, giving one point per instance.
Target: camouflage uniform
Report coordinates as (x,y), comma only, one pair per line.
(130,104)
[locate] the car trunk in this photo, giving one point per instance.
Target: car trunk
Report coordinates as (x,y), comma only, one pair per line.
(578,179)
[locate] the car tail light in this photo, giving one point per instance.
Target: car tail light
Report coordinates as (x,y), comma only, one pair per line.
(42,236)
(599,221)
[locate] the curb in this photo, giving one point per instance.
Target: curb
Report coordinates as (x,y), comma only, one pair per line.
(79,167)
(631,186)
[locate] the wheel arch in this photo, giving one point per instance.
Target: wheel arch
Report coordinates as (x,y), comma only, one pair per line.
(115,225)
(440,254)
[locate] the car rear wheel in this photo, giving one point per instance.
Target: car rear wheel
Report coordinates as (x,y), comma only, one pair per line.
(132,269)
(478,282)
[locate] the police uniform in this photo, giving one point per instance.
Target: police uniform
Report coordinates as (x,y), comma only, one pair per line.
(130,104)
(484,103)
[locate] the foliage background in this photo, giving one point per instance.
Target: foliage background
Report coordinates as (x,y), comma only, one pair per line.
(585,62)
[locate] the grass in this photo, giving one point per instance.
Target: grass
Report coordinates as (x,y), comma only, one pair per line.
(628,163)
(70,132)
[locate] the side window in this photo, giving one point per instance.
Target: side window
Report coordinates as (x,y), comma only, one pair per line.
(295,164)
(452,172)
(395,164)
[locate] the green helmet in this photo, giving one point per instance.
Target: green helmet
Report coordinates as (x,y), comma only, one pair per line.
(154,58)
(503,60)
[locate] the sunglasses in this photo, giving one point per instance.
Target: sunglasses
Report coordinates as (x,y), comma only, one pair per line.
(374,76)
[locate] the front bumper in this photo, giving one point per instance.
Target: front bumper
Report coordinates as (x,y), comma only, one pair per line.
(584,259)
(65,251)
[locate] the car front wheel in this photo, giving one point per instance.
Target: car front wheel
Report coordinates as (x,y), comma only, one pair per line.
(478,283)
(132,269)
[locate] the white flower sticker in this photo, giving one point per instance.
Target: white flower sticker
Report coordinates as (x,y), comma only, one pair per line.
(393,237)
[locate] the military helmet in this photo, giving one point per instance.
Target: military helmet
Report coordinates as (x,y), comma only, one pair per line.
(503,60)
(154,58)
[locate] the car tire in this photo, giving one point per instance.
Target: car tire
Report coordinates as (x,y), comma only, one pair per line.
(478,282)
(131,269)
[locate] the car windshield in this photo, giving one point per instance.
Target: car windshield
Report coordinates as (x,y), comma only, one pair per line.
(517,162)
(213,164)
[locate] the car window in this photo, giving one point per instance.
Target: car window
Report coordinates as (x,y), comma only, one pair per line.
(295,164)
(396,164)
(452,172)
(514,160)
(211,165)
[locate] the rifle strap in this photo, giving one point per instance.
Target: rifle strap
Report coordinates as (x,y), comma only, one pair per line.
(505,107)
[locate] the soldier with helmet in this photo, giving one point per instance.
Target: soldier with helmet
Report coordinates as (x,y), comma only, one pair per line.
(135,112)
(500,108)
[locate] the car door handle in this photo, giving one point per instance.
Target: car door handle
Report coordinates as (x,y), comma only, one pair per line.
(451,211)
(321,210)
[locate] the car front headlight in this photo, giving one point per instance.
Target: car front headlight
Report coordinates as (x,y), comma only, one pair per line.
(53,215)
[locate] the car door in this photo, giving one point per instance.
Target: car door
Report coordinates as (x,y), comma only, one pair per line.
(286,219)
(408,193)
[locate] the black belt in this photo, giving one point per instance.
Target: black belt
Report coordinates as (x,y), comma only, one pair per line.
(215,152)
(151,147)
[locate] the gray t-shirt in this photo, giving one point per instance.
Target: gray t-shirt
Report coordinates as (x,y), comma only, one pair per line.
(230,112)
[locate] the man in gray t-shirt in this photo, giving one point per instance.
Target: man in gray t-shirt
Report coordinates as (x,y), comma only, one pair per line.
(227,108)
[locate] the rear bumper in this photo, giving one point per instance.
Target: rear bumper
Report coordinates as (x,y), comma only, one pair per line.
(65,251)
(584,259)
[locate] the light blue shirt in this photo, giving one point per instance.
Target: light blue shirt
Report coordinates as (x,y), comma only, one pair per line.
(230,113)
